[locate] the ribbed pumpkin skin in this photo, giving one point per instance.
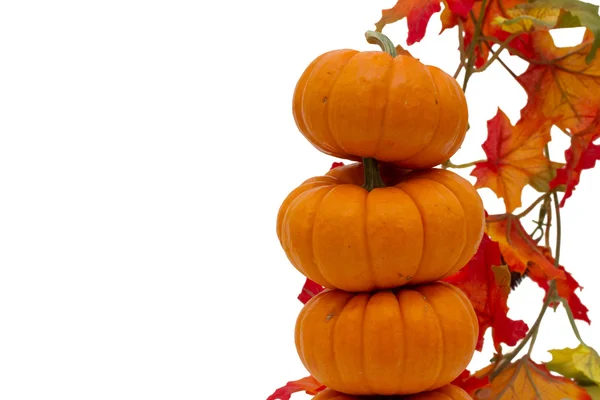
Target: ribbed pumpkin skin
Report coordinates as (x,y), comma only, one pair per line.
(392,342)
(424,227)
(448,392)
(352,104)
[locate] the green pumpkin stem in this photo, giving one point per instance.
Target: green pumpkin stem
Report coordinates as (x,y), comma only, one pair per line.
(382,41)
(372,177)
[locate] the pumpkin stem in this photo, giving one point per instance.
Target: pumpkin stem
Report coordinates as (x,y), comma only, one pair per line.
(383,41)
(372,177)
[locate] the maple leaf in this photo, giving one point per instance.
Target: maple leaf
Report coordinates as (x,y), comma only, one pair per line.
(514,156)
(519,250)
(564,287)
(491,31)
(593,391)
(553,14)
(581,363)
(336,164)
(308,384)
(560,84)
(582,154)
(526,380)
(470,383)
(487,284)
(542,180)
(418,13)
(309,290)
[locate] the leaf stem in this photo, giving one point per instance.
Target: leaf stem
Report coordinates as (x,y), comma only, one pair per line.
(471,49)
(533,331)
(496,53)
(449,164)
(572,321)
(461,48)
(532,206)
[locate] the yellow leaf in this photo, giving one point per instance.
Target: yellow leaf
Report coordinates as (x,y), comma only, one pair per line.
(581,363)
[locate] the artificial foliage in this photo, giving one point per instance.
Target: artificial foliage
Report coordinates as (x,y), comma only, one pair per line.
(382,237)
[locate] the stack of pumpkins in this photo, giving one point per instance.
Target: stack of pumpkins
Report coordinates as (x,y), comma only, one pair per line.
(380,233)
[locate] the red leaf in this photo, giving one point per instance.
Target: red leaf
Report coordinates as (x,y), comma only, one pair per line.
(418,13)
(493,10)
(487,285)
(582,154)
(566,289)
(308,384)
(336,164)
(309,290)
(471,383)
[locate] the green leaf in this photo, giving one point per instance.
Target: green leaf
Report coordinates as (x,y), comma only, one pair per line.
(541,181)
(581,363)
(593,391)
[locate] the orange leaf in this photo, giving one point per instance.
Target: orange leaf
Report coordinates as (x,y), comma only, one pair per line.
(526,380)
(519,250)
(487,284)
(308,384)
(560,84)
(418,13)
(514,156)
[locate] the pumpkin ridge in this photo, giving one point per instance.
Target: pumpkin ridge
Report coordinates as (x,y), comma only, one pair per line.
(334,361)
(329,130)
(369,264)
(296,260)
(468,305)
(303,126)
(464,244)
(363,348)
(325,145)
(300,321)
(403,321)
(312,239)
(419,265)
(389,75)
(435,383)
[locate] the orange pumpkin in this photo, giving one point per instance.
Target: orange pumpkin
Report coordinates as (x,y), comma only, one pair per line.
(448,392)
(392,342)
(370,104)
(425,226)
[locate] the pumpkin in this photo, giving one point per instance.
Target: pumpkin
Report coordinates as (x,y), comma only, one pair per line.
(422,227)
(372,104)
(391,342)
(448,392)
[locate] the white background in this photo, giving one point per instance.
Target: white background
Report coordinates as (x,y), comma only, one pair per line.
(145,148)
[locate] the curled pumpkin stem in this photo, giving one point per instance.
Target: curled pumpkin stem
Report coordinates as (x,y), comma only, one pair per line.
(372,176)
(382,41)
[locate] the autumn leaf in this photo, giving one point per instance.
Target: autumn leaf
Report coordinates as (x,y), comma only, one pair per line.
(582,154)
(565,288)
(336,164)
(560,84)
(541,181)
(418,13)
(491,32)
(470,383)
(487,284)
(518,249)
(526,380)
(309,290)
(514,156)
(553,14)
(581,363)
(593,391)
(308,384)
